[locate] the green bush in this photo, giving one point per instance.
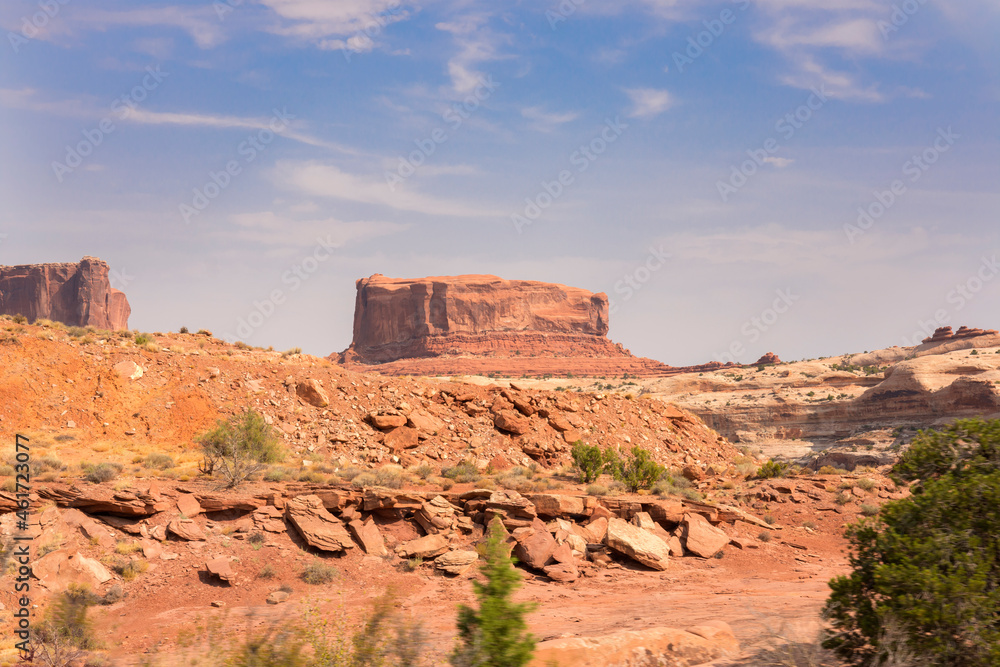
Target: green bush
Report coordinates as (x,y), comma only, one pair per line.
(772,469)
(465,471)
(590,460)
(240,447)
(495,635)
(926,571)
(638,471)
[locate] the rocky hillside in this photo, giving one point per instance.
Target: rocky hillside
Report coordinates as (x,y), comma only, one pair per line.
(479,325)
(124,396)
(75,294)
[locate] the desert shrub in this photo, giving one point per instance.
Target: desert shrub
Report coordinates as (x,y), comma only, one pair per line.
(349,473)
(114,594)
(19,319)
(277,474)
(159,461)
(868,509)
(843,498)
(289,352)
(928,565)
(462,472)
(317,573)
(811,525)
(204,332)
(616,488)
(865,484)
(597,490)
(267,572)
(102,472)
(133,569)
(76,332)
(240,447)
(423,471)
(65,633)
(142,338)
(590,460)
(256,537)
(390,476)
(495,634)
(363,480)
(764,536)
(830,470)
(772,469)
(638,470)
(126,548)
(312,477)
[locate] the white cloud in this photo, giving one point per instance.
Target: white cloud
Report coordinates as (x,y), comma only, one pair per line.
(476,44)
(317,179)
(544,120)
(779,162)
(649,102)
(200,22)
(350,24)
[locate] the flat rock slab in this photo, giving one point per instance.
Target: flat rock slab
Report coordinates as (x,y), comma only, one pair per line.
(456,562)
(702,538)
(319,528)
(429,546)
(640,545)
(659,647)
(222,568)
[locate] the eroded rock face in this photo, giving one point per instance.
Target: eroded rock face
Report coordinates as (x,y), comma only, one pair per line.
(75,294)
(476,324)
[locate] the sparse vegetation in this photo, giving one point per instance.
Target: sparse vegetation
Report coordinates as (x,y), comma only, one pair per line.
(463,472)
(240,447)
(158,460)
(772,469)
(318,573)
(102,472)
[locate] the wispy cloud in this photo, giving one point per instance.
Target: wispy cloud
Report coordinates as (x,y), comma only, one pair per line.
(200,22)
(544,120)
(648,102)
(317,179)
(343,24)
(476,43)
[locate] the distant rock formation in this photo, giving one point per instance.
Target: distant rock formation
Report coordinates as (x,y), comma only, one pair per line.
(943,334)
(769,358)
(74,294)
(480,324)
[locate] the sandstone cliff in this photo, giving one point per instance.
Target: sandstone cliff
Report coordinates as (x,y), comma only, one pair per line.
(74,294)
(477,324)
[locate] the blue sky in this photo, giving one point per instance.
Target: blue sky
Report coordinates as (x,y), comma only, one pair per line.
(740,177)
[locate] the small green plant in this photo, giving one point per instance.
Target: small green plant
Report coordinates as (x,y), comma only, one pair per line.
(772,469)
(318,573)
(590,460)
(495,634)
(638,471)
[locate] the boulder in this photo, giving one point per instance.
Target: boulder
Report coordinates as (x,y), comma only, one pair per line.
(557,504)
(128,369)
(638,544)
(535,545)
(186,529)
(564,573)
(56,570)
(312,393)
(277,597)
(436,516)
(700,537)
(188,505)
(427,547)
(367,534)
(385,422)
(401,438)
(511,422)
(222,568)
(318,528)
(425,422)
(456,562)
